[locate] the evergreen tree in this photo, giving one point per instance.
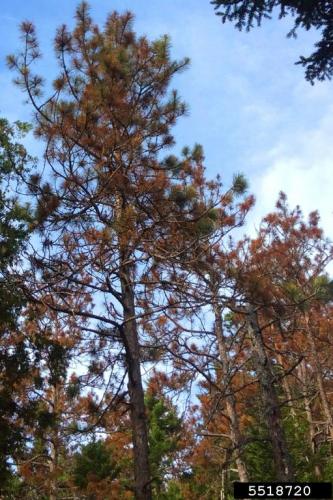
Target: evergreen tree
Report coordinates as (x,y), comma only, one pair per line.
(114,207)
(14,357)
(164,439)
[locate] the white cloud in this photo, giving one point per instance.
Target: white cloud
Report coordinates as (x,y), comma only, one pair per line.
(301,165)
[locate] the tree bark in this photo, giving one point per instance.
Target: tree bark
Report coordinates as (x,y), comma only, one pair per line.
(235,432)
(129,332)
(54,445)
(319,378)
(281,457)
(302,371)
(287,391)
(53,471)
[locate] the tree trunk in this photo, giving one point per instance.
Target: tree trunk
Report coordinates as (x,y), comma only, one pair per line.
(54,445)
(53,472)
(129,332)
(287,391)
(281,457)
(302,371)
(319,378)
(235,433)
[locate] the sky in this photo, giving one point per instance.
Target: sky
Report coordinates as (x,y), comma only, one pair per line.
(249,105)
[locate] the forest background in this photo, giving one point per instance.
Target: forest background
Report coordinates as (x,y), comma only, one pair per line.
(259,362)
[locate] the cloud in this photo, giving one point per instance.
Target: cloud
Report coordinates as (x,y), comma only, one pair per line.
(300,164)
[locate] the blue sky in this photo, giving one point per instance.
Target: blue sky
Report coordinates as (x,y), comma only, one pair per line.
(250,106)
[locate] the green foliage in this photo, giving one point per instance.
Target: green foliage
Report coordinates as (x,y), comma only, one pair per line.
(73,389)
(306,460)
(323,288)
(204,226)
(183,195)
(299,448)
(94,462)
(178,195)
(14,366)
(294,292)
(14,357)
(12,489)
(258,453)
(172,492)
(327,463)
(14,217)
(164,435)
(320,288)
(197,153)
(171,162)
(239,184)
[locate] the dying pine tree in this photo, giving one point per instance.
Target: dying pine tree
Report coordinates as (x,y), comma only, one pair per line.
(114,207)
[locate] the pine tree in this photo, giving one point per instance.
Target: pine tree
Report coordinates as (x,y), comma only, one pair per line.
(111,213)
